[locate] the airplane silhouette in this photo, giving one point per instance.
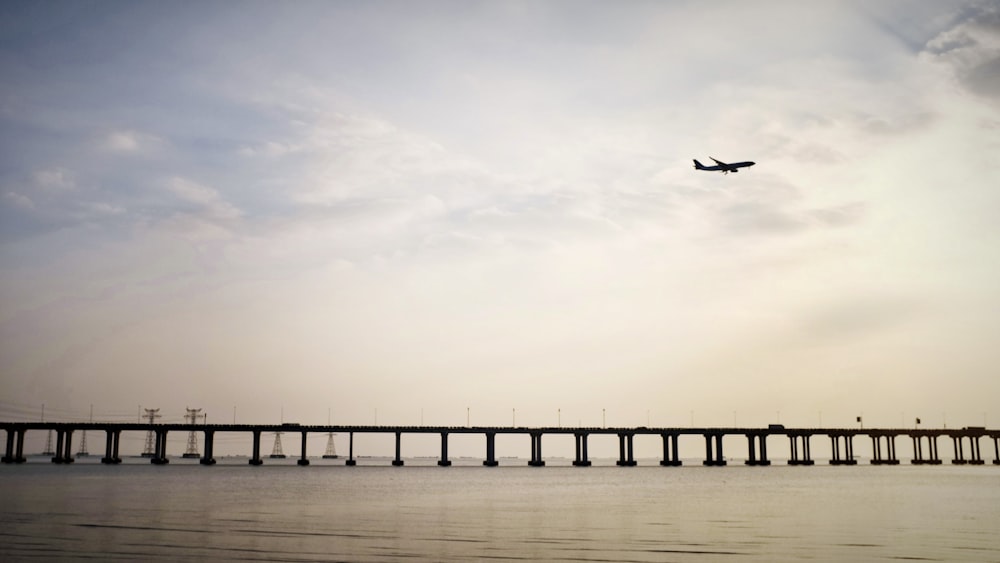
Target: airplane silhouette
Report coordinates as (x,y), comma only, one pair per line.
(722,166)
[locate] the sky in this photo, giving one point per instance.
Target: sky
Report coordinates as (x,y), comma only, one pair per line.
(486,212)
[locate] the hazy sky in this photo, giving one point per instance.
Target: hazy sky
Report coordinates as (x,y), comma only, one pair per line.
(441,210)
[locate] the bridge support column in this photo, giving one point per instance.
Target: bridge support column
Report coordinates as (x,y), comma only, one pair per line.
(803,457)
(959,457)
(398,461)
(975,457)
(8,456)
(160,455)
(59,447)
(996,450)
(753,458)
(491,454)
(670,455)
(536,451)
(845,456)
(209,458)
(444,461)
(933,447)
(19,448)
(979,456)
(303,459)
(255,459)
(58,458)
(108,444)
(111,447)
(351,462)
(625,457)
(931,457)
(890,450)
(582,459)
(719,459)
(68,447)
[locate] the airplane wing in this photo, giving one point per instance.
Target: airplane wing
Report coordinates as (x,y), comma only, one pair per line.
(719,162)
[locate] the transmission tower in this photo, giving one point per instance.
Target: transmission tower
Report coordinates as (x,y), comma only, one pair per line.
(48,445)
(192,417)
(150,449)
(83,437)
(331,448)
(83,446)
(276,453)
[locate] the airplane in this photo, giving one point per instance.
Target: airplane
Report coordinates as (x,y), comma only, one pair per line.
(722,166)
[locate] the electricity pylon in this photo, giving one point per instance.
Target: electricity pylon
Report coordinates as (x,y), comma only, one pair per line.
(276,452)
(150,449)
(191,418)
(331,448)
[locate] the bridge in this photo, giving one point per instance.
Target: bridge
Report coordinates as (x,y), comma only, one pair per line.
(965,442)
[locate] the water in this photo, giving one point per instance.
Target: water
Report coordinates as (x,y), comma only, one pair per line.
(281,512)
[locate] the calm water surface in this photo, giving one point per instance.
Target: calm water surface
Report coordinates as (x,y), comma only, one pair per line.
(185,512)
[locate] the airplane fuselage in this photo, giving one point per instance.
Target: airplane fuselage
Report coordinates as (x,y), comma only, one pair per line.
(723,167)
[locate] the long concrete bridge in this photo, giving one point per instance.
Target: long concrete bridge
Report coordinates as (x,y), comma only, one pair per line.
(965,442)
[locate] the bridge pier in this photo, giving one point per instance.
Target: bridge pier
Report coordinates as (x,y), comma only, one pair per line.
(890,450)
(806,454)
(160,455)
(976,458)
(996,450)
(68,447)
(64,447)
(754,458)
(351,462)
(255,460)
(536,450)
(444,461)
(19,451)
(670,455)
(582,459)
(111,447)
(718,459)
(845,457)
(8,456)
(625,458)
(491,450)
(398,461)
(918,451)
(59,447)
(209,458)
(303,460)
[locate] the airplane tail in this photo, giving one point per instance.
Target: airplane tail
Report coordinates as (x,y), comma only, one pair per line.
(698,165)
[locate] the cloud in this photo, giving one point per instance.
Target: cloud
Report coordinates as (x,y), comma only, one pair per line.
(123,141)
(847,318)
(207,201)
(841,215)
(972,50)
(19,200)
(55,179)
